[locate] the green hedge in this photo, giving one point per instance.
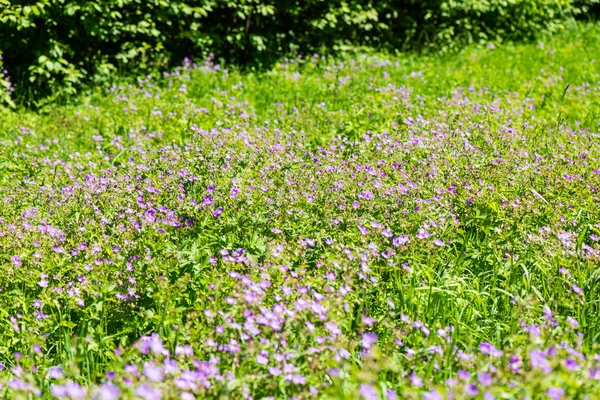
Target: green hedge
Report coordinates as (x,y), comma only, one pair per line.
(51,47)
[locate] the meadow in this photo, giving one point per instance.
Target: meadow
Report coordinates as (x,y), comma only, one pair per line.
(370,226)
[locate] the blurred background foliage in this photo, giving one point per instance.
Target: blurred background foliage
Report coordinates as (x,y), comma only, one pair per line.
(51,48)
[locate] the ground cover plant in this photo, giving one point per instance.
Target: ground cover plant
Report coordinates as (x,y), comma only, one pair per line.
(365,227)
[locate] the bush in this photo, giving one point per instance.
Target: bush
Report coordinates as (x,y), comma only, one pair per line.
(6,87)
(51,47)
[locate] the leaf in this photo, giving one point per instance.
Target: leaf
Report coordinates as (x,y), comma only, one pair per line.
(581,237)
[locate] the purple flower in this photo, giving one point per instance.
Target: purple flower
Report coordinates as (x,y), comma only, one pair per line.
(368,339)
(490,349)
(345,354)
(108,391)
(577,289)
(16,260)
(153,372)
(275,371)
(538,360)
(71,389)
(58,391)
(262,358)
(333,328)
(484,378)
(422,234)
(299,379)
(415,380)
(147,392)
(368,392)
(18,384)
(367,195)
(368,321)
(555,393)
(400,240)
(289,368)
(151,343)
(433,395)
(572,323)
(55,372)
(471,389)
(463,375)
(566,239)
(571,364)
(185,350)
(363,229)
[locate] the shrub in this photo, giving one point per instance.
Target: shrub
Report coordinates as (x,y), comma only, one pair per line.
(6,87)
(51,47)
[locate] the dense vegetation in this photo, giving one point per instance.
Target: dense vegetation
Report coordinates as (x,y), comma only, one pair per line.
(52,47)
(375,226)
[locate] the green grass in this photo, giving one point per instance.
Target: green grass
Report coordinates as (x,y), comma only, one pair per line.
(493,151)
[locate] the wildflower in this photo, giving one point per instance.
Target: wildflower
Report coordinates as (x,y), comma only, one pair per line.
(433,394)
(538,360)
(471,389)
(368,340)
(16,260)
(463,375)
(400,240)
(572,323)
(153,373)
(55,372)
(415,380)
(108,391)
(299,379)
(488,396)
(147,392)
(484,378)
(490,349)
(262,358)
(555,393)
(571,364)
(368,392)
(422,234)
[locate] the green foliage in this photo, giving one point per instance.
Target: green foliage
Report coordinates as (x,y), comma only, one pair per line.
(53,46)
(6,87)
